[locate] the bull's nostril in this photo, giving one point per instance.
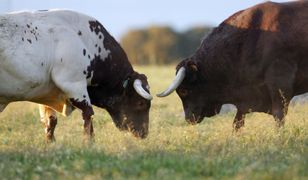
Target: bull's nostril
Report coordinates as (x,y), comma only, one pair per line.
(192,122)
(192,119)
(143,135)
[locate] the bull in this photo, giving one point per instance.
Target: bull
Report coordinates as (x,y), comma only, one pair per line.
(65,60)
(257,59)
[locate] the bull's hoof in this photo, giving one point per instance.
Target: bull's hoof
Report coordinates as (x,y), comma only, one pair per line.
(280,123)
(89,140)
(50,139)
(237,127)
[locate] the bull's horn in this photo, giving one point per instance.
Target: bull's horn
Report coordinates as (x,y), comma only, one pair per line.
(175,84)
(139,89)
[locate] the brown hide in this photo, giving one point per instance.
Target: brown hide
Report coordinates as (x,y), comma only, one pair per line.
(257,59)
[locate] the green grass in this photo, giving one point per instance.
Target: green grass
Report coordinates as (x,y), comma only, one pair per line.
(173,149)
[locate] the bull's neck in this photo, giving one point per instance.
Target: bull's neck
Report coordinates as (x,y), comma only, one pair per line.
(213,69)
(216,71)
(110,65)
(117,74)
(122,76)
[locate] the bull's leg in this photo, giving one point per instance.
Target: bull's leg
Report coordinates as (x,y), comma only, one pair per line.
(49,118)
(87,112)
(239,120)
(280,78)
(78,96)
(279,107)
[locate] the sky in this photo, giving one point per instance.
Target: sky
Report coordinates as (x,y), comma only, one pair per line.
(119,16)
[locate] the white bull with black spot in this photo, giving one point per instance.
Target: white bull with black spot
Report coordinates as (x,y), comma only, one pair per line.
(65,60)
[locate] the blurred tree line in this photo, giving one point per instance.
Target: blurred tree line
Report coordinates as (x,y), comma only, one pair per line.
(161,44)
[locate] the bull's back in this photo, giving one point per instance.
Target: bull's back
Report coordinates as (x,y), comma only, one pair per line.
(271,17)
(29,48)
(267,32)
(23,57)
(267,25)
(273,34)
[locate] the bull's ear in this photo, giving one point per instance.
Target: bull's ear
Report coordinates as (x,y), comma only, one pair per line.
(192,66)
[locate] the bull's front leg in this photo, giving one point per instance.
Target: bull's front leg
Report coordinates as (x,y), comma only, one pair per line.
(239,120)
(87,112)
(279,111)
(74,85)
(49,118)
(280,103)
(280,79)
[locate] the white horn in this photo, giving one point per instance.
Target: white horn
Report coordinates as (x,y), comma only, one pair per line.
(175,84)
(139,89)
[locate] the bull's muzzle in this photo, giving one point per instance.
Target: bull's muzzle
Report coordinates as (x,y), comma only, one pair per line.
(193,119)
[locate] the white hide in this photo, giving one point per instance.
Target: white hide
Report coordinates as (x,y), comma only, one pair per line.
(49,69)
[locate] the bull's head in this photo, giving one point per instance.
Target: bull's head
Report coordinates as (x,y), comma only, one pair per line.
(194,92)
(129,109)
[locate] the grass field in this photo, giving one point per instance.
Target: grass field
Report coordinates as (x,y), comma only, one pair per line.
(173,149)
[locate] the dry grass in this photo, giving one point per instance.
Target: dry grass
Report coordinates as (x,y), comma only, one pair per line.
(173,150)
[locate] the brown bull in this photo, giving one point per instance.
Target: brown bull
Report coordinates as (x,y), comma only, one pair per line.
(257,59)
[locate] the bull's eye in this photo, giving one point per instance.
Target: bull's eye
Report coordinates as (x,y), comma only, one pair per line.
(183,92)
(141,104)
